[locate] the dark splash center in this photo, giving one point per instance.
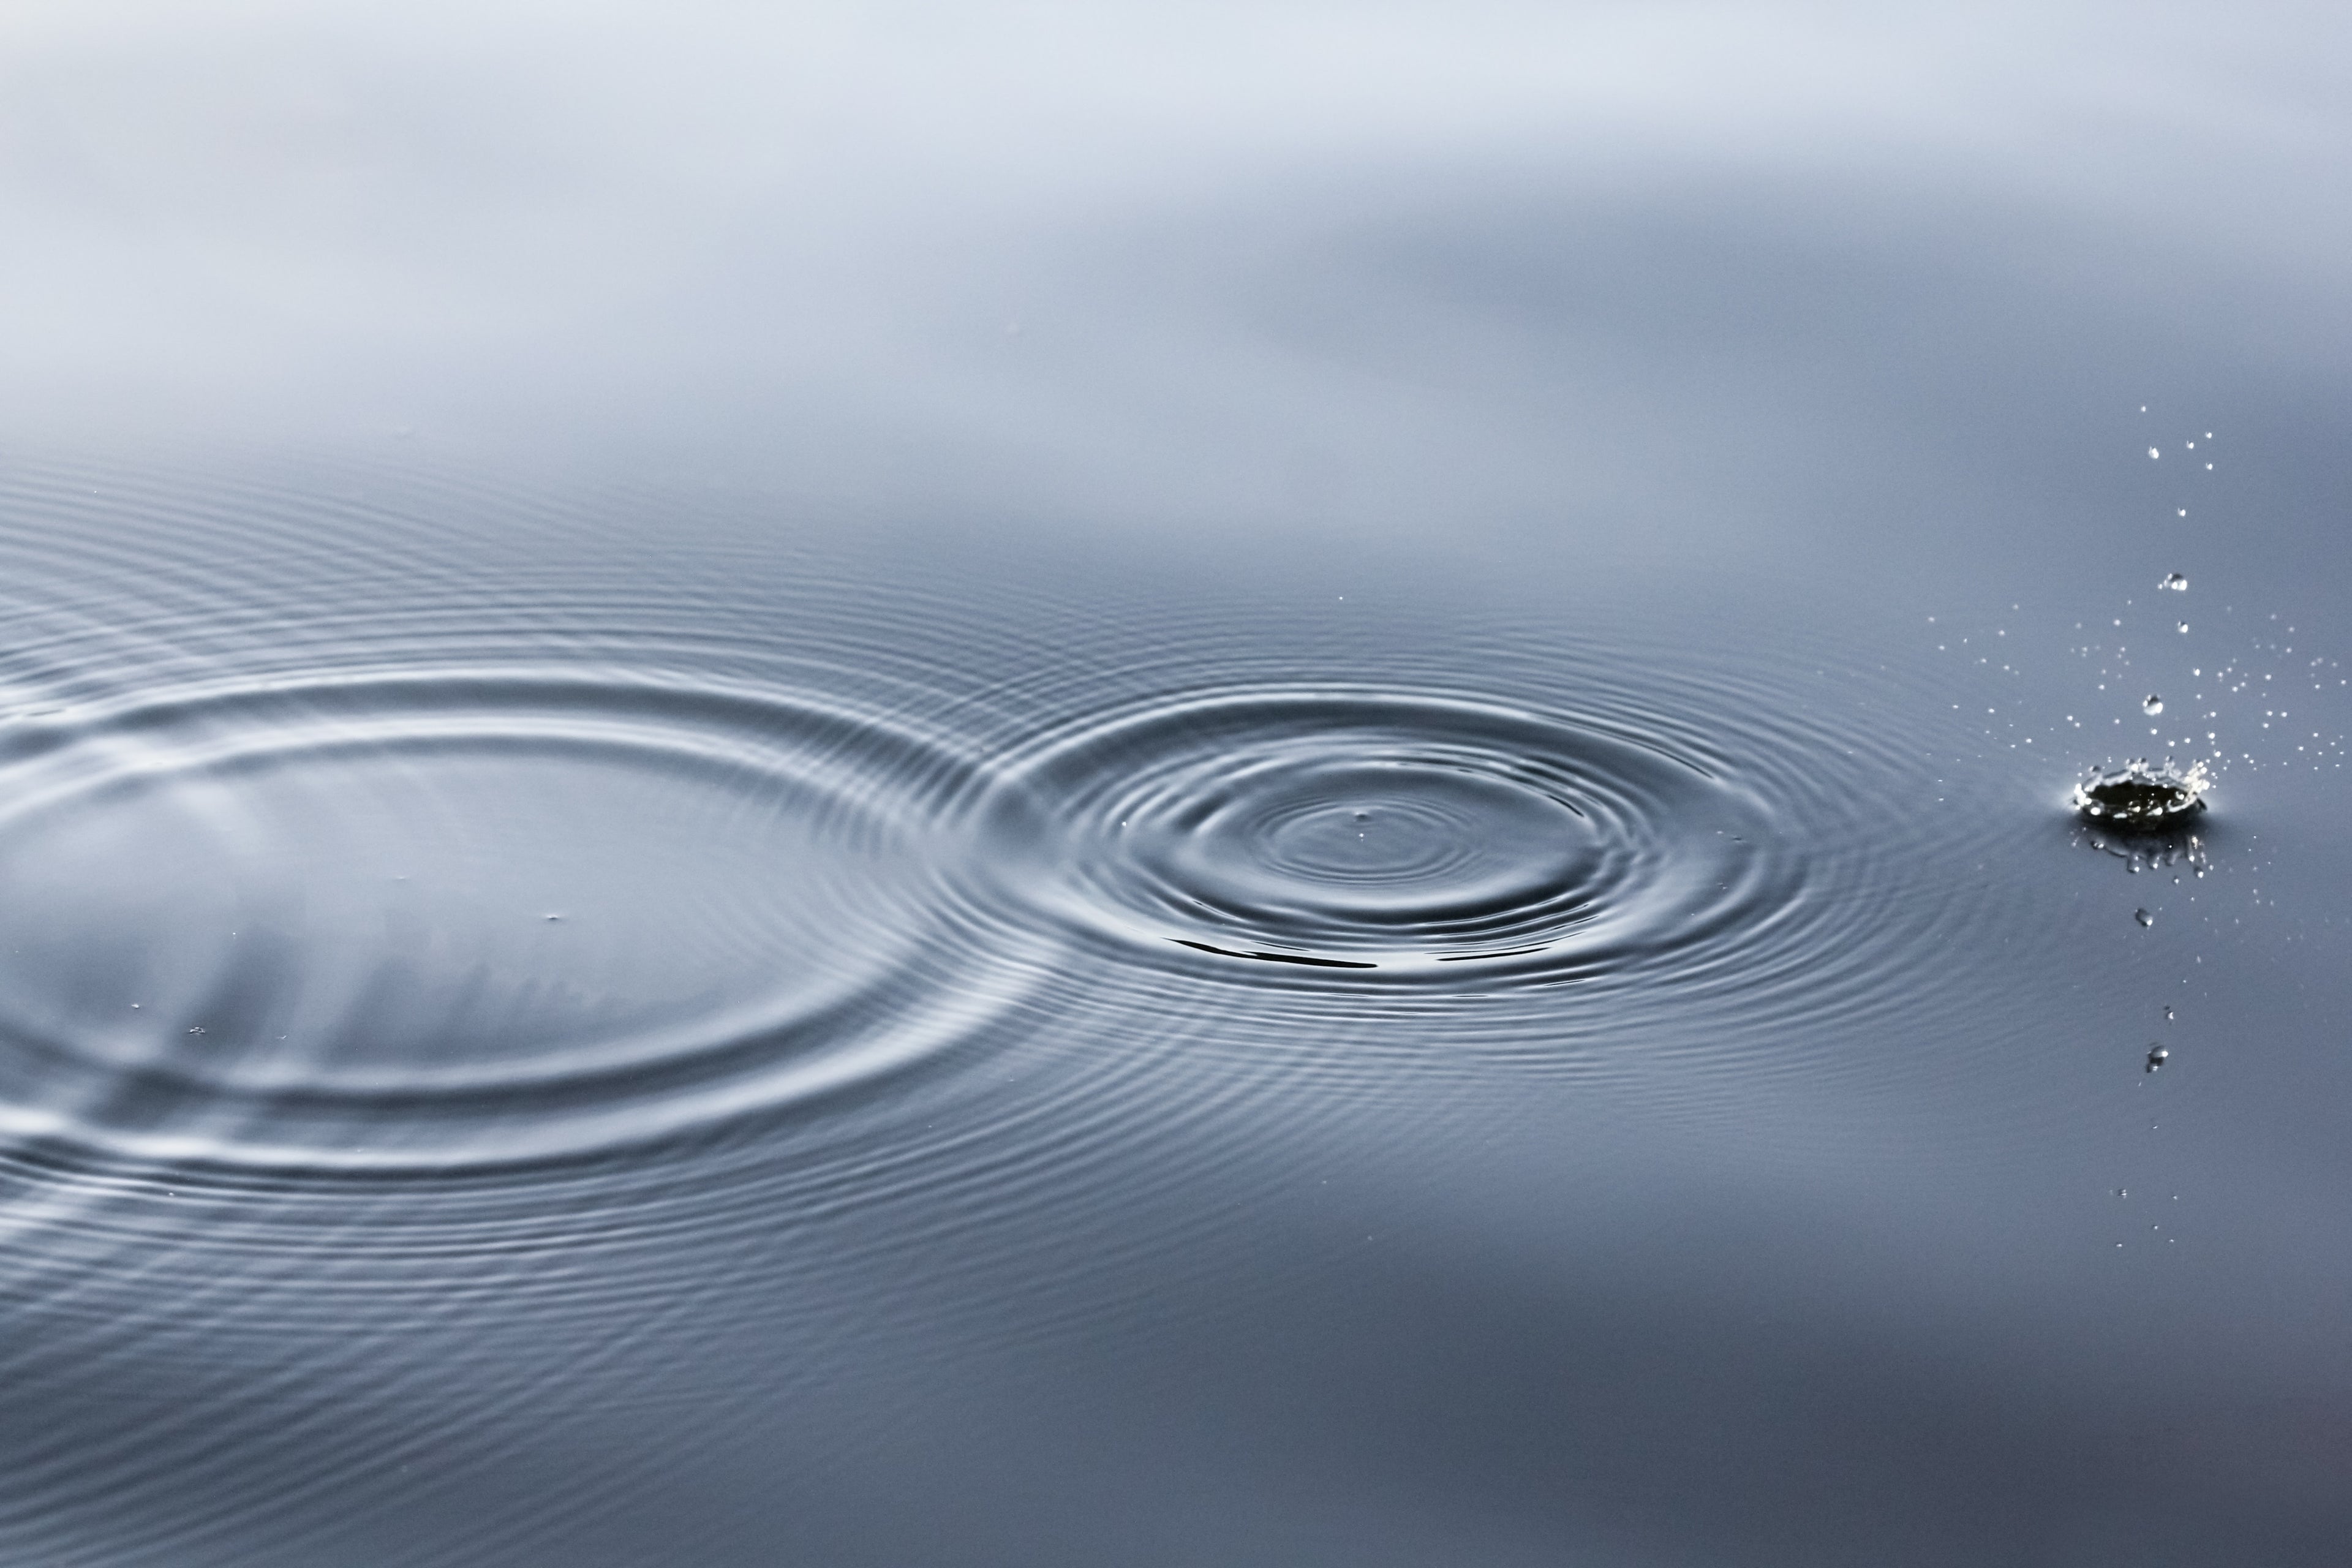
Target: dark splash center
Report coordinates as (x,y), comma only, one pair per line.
(2142,794)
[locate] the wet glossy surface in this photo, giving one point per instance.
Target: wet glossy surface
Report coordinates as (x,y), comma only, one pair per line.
(1066,790)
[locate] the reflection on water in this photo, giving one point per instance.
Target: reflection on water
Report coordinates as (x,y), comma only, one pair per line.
(2141,849)
(857,789)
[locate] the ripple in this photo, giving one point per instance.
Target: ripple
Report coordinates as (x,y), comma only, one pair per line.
(1384,837)
(374,924)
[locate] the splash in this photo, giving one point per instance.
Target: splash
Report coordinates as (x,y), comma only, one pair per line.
(2143,794)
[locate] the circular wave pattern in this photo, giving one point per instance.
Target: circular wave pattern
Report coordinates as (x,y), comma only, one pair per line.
(414,922)
(1380,837)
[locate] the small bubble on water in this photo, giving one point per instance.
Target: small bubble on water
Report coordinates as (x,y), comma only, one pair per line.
(2176,581)
(2182,628)
(2157,1057)
(2144,917)
(2151,704)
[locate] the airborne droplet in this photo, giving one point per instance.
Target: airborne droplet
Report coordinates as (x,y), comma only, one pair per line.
(2175,581)
(2144,917)
(2151,705)
(2157,1057)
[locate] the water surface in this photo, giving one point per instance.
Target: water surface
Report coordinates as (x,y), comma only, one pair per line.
(1067,790)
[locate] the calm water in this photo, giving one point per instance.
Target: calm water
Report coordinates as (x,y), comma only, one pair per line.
(1255,787)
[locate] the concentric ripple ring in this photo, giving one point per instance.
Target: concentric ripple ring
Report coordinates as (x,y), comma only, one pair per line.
(379,924)
(1357,837)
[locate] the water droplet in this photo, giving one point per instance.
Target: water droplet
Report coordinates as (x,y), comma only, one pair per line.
(2144,917)
(2153,452)
(2157,1057)
(2168,1015)
(2182,628)
(2151,704)
(2176,581)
